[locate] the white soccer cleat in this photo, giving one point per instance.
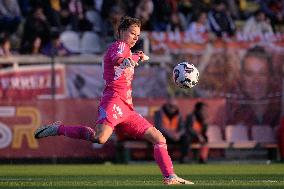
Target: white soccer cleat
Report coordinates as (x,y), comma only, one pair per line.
(175,180)
(47,130)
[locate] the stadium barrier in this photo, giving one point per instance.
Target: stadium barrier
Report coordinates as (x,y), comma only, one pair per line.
(228,150)
(15,61)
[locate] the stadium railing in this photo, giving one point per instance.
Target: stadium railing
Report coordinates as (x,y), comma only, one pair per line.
(20,60)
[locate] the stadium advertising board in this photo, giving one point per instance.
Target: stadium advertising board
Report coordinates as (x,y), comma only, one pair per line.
(186,42)
(19,119)
(246,70)
(86,81)
(31,81)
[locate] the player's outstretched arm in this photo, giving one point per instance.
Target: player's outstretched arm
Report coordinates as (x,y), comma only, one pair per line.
(142,56)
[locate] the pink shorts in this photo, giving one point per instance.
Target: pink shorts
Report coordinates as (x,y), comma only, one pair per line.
(117,114)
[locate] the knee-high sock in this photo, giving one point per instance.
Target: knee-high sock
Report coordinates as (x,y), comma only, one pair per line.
(163,159)
(78,132)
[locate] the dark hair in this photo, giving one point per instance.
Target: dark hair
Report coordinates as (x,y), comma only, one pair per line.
(198,111)
(197,15)
(126,22)
(258,11)
(199,105)
(260,53)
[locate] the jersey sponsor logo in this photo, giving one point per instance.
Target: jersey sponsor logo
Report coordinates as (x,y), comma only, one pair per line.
(126,68)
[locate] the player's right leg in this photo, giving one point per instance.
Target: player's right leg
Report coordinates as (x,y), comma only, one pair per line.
(103,130)
(47,130)
(162,157)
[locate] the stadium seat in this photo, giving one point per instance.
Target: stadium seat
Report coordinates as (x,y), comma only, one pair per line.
(90,43)
(238,136)
(71,41)
(263,134)
(215,139)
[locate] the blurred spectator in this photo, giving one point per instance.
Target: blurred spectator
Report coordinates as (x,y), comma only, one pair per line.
(98,5)
(33,47)
(199,26)
(55,47)
(189,8)
(220,20)
(36,26)
(257,101)
(176,23)
(128,6)
(110,24)
(185,10)
(53,13)
(65,15)
(106,7)
(275,11)
(78,17)
(5,46)
(10,16)
(144,11)
(196,126)
(233,7)
(168,120)
(257,24)
(161,18)
(77,13)
(25,7)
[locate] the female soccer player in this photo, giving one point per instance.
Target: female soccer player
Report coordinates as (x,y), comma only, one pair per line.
(116,109)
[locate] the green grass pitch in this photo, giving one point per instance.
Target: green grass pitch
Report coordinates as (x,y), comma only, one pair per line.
(135,176)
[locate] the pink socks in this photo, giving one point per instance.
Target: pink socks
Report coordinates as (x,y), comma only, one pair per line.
(163,159)
(78,132)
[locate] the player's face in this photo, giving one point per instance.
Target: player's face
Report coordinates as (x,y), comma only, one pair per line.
(255,77)
(131,35)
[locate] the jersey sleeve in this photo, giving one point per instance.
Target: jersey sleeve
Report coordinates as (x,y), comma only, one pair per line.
(121,53)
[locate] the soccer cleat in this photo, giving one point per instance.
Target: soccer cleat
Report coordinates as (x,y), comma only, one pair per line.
(175,180)
(47,130)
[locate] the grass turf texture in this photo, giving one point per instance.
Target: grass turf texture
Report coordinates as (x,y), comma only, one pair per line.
(140,176)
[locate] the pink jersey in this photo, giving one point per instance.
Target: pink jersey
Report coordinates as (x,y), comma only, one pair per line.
(118,77)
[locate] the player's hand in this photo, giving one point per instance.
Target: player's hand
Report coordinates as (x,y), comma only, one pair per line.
(142,56)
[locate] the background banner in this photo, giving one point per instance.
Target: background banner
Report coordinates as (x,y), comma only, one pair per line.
(86,81)
(31,81)
(19,120)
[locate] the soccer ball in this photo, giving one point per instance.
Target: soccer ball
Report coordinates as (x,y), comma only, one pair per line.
(185,75)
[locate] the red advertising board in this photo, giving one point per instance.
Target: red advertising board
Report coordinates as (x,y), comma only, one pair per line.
(19,119)
(32,81)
